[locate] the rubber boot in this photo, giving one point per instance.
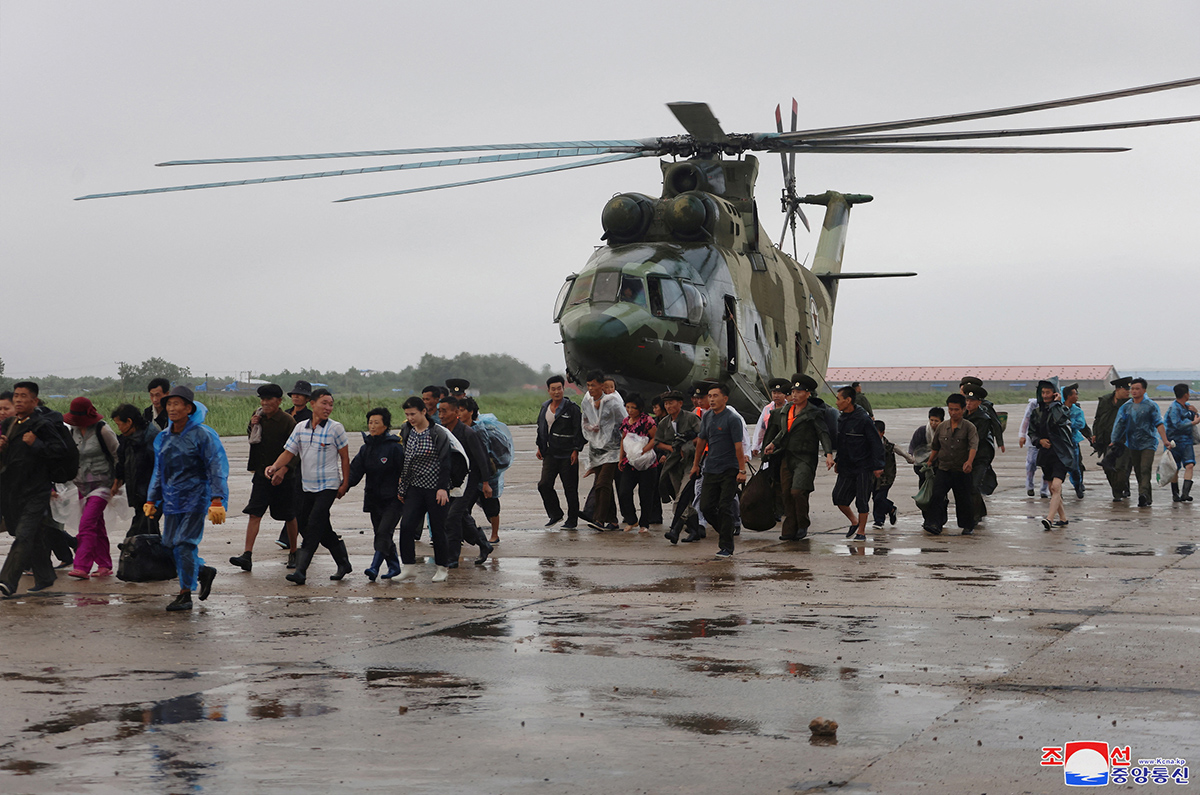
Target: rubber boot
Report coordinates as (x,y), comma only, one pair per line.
(342,558)
(1175,493)
(393,562)
(372,571)
(303,558)
(1186,496)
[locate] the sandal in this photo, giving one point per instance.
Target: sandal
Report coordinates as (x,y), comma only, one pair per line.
(79,575)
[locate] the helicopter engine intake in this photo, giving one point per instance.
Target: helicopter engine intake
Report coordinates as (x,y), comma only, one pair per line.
(626,218)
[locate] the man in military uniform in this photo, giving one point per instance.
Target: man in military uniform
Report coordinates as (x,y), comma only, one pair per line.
(1106,415)
(676,436)
(983,479)
(795,434)
(969,381)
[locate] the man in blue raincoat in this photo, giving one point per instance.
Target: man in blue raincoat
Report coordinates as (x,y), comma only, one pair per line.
(190,482)
(1139,426)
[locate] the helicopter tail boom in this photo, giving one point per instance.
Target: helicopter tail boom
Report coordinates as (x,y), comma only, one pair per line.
(827,263)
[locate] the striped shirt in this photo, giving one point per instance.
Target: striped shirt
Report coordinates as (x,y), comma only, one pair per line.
(317,448)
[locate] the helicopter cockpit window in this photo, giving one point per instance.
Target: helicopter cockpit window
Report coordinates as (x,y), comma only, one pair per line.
(695,303)
(666,298)
(606,287)
(581,289)
(560,303)
(632,290)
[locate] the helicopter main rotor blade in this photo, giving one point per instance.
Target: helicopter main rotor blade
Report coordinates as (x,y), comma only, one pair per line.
(782,156)
(828,132)
(792,157)
(828,147)
(698,119)
(458,161)
(563,167)
(427,150)
(967,135)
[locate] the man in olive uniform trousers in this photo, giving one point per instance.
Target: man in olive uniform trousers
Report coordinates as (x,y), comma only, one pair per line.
(983,479)
(796,433)
(1102,425)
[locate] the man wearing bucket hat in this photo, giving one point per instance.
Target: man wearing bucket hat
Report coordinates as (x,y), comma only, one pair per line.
(98,448)
(190,481)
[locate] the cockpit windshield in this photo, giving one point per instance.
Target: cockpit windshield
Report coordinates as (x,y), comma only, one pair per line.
(632,290)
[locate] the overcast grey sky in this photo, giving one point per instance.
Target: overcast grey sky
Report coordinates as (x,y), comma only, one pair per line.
(1022,259)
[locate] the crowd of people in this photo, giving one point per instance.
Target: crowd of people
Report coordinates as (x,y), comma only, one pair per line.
(446,459)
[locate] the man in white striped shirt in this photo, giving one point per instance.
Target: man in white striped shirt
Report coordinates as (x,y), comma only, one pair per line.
(324,453)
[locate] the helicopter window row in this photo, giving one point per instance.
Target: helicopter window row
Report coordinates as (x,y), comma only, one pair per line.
(662,295)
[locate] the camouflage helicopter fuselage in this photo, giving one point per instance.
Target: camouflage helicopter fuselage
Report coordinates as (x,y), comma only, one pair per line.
(688,287)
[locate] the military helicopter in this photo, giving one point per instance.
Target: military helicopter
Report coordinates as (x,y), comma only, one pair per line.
(687,286)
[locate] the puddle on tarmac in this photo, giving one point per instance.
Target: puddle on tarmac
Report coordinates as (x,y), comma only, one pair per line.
(427,689)
(855,550)
(711,724)
(23,767)
(698,628)
(137,718)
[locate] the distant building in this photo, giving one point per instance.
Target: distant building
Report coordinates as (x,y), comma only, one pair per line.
(1162,382)
(997,379)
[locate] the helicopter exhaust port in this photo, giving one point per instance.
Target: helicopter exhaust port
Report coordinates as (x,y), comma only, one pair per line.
(626,218)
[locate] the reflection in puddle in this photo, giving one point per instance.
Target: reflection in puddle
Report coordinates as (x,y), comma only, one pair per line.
(711,724)
(23,767)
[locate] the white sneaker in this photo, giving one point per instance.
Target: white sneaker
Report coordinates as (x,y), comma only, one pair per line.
(441,575)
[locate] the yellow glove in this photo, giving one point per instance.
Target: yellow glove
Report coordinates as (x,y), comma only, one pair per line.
(216,514)
(148,509)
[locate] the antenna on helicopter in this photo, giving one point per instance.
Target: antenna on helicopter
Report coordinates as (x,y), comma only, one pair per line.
(789,200)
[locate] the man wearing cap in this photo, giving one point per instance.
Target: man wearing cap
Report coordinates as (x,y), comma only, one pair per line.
(268,430)
(700,397)
(779,388)
(997,429)
(457,387)
(1139,426)
(983,479)
(1102,425)
(796,433)
(559,442)
(157,413)
(676,438)
(1079,432)
(299,412)
(952,457)
(1050,434)
(29,445)
(190,481)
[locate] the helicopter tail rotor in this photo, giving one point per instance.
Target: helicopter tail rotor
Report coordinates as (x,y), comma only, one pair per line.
(789,200)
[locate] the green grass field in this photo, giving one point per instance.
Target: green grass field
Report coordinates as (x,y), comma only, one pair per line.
(228,414)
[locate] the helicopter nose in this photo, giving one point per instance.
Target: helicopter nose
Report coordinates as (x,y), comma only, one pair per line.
(600,337)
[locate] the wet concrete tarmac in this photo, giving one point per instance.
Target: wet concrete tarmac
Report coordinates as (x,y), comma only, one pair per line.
(585,662)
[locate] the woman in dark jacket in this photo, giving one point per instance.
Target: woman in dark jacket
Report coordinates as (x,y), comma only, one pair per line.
(381,460)
(135,465)
(424,488)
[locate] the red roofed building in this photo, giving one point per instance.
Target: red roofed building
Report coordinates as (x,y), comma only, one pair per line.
(996,379)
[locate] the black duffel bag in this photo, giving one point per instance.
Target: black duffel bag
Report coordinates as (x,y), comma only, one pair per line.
(145,559)
(758,501)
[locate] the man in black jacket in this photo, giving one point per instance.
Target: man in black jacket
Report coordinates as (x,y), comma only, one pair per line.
(156,412)
(859,461)
(460,526)
(559,440)
(29,443)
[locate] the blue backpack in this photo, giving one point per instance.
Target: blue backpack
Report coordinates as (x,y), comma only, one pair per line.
(498,441)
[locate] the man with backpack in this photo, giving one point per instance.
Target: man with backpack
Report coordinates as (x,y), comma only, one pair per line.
(36,452)
(459,526)
(497,441)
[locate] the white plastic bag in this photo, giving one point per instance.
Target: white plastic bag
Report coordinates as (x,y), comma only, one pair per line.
(1196,434)
(1166,469)
(64,506)
(634,444)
